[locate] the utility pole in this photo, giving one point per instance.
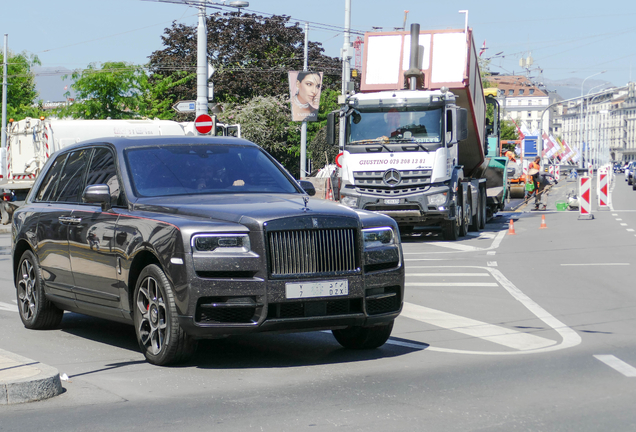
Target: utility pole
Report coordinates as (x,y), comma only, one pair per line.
(303,130)
(201,105)
(346,72)
(4,91)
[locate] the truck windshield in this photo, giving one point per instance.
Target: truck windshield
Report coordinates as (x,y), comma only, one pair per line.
(396,125)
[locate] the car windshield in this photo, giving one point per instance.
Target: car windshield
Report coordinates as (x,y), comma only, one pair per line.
(204,169)
(393,125)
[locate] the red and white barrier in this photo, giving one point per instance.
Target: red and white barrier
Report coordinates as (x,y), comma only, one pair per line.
(585,198)
(603,187)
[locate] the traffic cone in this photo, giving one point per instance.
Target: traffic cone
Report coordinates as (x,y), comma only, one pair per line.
(511,228)
(543,225)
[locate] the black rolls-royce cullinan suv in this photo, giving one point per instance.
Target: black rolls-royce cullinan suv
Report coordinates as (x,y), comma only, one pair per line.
(190,237)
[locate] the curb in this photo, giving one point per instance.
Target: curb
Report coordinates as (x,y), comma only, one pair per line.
(25,380)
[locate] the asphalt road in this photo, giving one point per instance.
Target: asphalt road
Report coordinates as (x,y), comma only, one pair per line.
(528,332)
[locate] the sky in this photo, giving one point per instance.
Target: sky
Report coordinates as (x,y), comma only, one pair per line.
(566,39)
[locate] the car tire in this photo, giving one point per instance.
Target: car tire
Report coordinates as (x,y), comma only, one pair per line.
(36,311)
(159,334)
(359,337)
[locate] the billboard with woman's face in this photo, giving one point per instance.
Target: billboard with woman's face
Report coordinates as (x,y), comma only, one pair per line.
(304,91)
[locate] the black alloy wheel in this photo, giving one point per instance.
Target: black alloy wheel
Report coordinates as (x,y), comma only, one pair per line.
(160,337)
(36,312)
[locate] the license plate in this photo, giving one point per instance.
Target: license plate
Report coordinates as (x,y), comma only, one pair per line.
(317,289)
(392,201)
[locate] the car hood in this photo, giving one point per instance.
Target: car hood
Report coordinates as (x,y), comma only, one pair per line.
(249,209)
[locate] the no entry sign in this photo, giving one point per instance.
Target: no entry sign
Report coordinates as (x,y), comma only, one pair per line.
(203,124)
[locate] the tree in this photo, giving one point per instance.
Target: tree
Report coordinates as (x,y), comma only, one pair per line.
(266,120)
(251,55)
(21,92)
(508,130)
(113,91)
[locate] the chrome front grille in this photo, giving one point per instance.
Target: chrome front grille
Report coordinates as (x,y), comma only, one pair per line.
(303,252)
(410,181)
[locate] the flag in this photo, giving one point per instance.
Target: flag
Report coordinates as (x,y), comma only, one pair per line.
(547,145)
(521,134)
(555,147)
(483,48)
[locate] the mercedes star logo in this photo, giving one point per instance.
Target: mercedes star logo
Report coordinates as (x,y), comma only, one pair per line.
(392,177)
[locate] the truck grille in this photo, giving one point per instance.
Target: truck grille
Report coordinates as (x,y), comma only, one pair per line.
(411,181)
(312,251)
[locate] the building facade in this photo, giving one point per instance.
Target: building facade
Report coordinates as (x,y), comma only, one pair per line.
(525,103)
(602,124)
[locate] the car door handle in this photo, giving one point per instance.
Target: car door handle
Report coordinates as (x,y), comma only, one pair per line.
(69,220)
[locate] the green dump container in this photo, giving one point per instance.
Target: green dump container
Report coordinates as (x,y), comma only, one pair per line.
(561,206)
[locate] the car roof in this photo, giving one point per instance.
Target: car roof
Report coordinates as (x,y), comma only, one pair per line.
(121,143)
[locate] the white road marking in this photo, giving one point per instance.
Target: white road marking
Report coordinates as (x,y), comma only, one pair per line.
(8,307)
(449,274)
(427,259)
(614,214)
(407,344)
(630,230)
(499,335)
(448,284)
(623,224)
(456,246)
(491,263)
(597,264)
(491,252)
(619,219)
(569,337)
(618,365)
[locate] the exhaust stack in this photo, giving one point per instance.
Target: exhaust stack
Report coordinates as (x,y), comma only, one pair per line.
(413,74)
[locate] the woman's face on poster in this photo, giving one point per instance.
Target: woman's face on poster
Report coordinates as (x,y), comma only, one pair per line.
(309,89)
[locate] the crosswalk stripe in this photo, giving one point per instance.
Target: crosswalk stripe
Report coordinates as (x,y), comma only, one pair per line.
(497,334)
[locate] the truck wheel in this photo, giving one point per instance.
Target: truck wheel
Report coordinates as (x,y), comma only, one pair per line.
(483,210)
(466,217)
(451,229)
(475,220)
(36,312)
(359,337)
(160,337)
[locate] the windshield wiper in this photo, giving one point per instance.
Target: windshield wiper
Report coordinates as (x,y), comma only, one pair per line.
(373,141)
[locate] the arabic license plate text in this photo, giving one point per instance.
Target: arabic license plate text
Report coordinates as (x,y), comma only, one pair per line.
(317,289)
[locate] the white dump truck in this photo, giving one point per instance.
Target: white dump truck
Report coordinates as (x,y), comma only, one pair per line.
(415,142)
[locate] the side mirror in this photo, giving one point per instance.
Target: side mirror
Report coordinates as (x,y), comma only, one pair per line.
(308,187)
(97,194)
(331,127)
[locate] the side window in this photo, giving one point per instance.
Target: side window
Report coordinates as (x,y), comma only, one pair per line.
(73,177)
(48,185)
(103,171)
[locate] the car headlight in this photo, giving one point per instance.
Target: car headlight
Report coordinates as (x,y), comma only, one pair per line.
(221,242)
(378,237)
(437,199)
(349,201)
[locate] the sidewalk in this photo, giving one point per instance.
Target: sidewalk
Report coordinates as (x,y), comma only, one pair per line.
(25,380)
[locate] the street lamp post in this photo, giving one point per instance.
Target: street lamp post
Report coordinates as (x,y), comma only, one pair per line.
(587,148)
(593,153)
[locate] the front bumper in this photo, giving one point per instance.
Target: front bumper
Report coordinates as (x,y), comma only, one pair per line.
(221,307)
